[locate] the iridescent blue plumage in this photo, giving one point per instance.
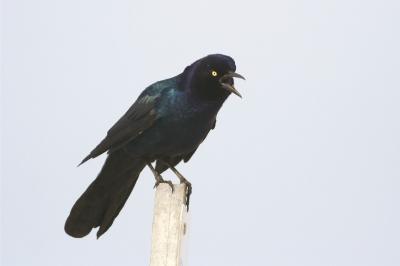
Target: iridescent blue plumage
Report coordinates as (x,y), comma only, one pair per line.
(166,124)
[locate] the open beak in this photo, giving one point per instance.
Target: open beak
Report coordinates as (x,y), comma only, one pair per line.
(227,84)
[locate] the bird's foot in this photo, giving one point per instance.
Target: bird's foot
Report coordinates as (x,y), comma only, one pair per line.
(160,180)
(182,180)
(188,191)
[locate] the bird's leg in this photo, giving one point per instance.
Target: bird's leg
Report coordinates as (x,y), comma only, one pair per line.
(159,178)
(183,180)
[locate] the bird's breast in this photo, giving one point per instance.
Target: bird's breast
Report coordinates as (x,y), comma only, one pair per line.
(187,130)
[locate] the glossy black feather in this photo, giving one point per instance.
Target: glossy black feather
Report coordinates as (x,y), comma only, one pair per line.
(106,195)
(167,123)
(140,116)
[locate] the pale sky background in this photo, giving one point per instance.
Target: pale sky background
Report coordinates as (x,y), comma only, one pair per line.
(305,170)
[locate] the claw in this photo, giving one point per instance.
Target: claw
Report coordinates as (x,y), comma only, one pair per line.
(159,178)
(188,192)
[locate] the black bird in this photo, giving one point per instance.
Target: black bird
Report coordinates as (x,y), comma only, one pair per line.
(166,124)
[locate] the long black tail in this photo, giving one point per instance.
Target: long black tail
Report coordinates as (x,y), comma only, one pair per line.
(105,197)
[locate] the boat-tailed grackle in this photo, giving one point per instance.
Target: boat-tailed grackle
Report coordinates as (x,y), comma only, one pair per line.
(166,124)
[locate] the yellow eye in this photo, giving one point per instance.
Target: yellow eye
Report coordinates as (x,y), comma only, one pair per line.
(214,73)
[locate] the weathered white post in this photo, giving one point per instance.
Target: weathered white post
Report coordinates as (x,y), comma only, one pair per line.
(169,225)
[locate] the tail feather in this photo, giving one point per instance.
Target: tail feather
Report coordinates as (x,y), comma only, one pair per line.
(104,198)
(115,205)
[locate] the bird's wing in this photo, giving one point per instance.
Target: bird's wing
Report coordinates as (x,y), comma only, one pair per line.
(140,116)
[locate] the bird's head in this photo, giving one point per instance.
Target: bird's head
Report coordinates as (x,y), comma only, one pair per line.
(212,76)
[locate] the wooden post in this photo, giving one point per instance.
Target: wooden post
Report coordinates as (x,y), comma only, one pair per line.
(169,225)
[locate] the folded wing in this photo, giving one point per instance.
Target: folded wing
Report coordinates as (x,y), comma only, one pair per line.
(140,116)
